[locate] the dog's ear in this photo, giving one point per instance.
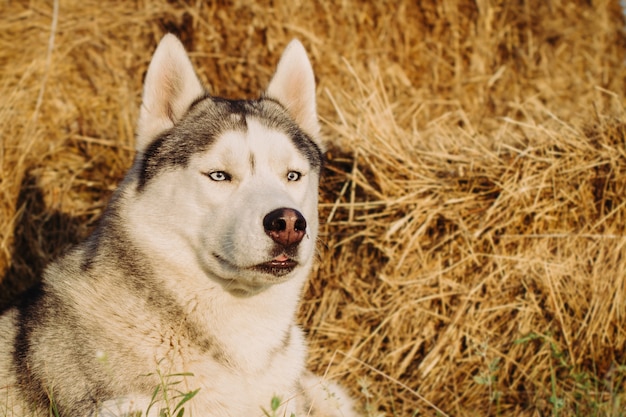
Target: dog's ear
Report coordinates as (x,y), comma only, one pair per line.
(171,85)
(293,85)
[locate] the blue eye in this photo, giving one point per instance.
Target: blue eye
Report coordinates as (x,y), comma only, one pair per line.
(219,176)
(293,176)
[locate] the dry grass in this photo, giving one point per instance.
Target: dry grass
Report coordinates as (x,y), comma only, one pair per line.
(473,255)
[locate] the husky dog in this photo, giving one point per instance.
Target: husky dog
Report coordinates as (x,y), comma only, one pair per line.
(190,282)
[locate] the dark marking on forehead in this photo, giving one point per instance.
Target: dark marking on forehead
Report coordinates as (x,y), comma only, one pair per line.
(252,162)
(206,119)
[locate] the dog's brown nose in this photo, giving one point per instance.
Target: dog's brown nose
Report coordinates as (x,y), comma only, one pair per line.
(285,226)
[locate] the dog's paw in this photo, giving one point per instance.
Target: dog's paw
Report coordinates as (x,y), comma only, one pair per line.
(127,406)
(325,398)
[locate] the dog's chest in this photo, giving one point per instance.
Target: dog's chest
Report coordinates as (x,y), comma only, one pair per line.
(243,335)
(250,360)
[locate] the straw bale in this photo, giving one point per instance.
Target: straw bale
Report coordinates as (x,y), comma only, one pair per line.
(471,257)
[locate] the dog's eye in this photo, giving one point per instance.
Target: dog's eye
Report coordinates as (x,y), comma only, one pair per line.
(293,176)
(218,176)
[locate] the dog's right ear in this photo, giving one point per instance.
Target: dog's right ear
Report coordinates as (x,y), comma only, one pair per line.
(171,85)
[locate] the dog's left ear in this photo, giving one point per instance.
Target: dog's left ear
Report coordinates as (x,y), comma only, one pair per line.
(170,87)
(293,85)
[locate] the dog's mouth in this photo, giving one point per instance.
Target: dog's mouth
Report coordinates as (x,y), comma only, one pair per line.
(279,266)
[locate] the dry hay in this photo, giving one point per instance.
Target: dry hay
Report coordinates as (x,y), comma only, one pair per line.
(472,248)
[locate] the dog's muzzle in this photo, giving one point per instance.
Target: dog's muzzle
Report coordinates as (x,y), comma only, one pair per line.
(286,227)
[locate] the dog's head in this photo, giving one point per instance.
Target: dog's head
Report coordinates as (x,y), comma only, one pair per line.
(227,186)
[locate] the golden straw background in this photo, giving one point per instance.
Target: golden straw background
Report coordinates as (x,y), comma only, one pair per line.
(472,260)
